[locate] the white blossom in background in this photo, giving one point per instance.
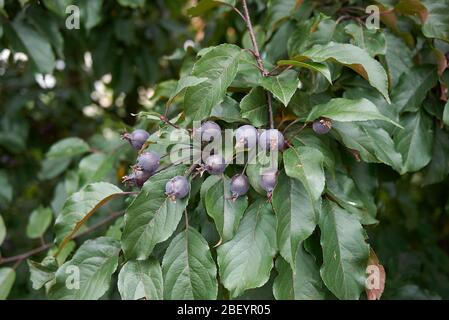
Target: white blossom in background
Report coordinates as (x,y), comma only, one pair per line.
(45,81)
(92,111)
(88,60)
(4,55)
(20,56)
(60,65)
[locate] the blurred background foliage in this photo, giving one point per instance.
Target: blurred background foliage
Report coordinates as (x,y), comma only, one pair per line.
(89,83)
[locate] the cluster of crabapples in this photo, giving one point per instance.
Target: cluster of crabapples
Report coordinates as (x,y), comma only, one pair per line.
(246,136)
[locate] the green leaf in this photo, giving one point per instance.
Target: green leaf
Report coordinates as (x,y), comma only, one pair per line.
(296,216)
(345,252)
(58,6)
(42,272)
(415,141)
(446,114)
(6,191)
(225,212)
(152,217)
(245,262)
(346,193)
(219,66)
(68,147)
(437,23)
(303,284)
(141,280)
(2,230)
(278,10)
(51,168)
(413,87)
(80,207)
(254,107)
(205,5)
(227,111)
(283,86)
(374,144)
(373,41)
(132,3)
(314,66)
(87,276)
(347,110)
(38,49)
(399,57)
(38,222)
(184,83)
(353,57)
(188,268)
(7,278)
(306,165)
(90,12)
(438,168)
(309,138)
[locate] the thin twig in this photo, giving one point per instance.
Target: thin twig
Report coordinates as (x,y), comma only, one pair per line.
(258,58)
(21,257)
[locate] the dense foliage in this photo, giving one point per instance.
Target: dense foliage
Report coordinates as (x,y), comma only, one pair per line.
(355,119)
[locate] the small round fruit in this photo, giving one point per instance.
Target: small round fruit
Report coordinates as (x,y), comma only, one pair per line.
(271,139)
(177,187)
(322,126)
(137,178)
(215,164)
(137,138)
(246,136)
(209,130)
(148,162)
(268,180)
(239,185)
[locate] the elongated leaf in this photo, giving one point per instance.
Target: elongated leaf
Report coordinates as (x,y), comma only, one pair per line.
(306,165)
(345,253)
(37,47)
(205,5)
(245,262)
(346,193)
(67,148)
(347,110)
(373,41)
(184,83)
(446,114)
(413,87)
(415,141)
(254,107)
(7,278)
(152,217)
(43,272)
(6,191)
(438,168)
(283,86)
(296,216)
(374,144)
(314,66)
(38,222)
(225,212)
(353,57)
(2,230)
(87,275)
(188,268)
(141,279)
(219,66)
(437,23)
(303,284)
(80,206)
